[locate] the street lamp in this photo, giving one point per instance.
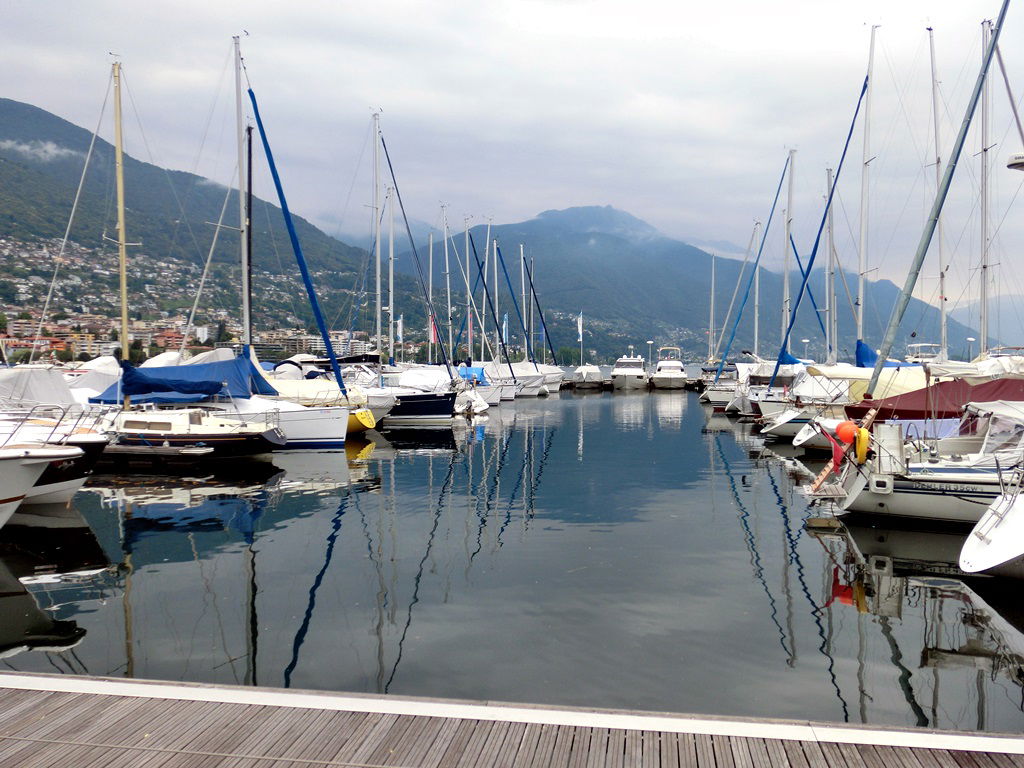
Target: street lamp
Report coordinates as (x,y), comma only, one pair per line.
(650,346)
(970,340)
(805,341)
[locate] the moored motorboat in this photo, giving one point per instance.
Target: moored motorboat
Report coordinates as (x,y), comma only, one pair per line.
(629,373)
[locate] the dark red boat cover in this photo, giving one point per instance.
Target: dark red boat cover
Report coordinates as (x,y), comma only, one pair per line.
(944,400)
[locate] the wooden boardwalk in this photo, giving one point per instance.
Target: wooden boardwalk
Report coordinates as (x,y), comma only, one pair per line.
(52,720)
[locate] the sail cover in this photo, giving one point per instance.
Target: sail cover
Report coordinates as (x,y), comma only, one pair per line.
(188,383)
(944,400)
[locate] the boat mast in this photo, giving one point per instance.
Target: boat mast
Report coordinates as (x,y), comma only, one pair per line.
(711,314)
(122,237)
(447,279)
(831,326)
(430,297)
(943,341)
(498,331)
(757,300)
(788,221)
(522,287)
(390,203)
(862,250)
(469,298)
(940,198)
(376,218)
(986,32)
(243,221)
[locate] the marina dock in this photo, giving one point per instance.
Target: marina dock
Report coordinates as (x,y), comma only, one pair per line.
(69,720)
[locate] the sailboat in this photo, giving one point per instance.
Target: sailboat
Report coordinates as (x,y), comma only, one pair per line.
(178,434)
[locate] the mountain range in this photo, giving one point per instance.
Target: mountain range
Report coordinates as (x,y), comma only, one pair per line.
(631,283)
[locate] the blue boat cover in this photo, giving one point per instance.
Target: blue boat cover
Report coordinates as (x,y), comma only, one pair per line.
(473,373)
(867,357)
(787,359)
(187,383)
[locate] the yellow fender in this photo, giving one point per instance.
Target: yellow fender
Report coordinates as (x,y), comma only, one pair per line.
(863,440)
(360,420)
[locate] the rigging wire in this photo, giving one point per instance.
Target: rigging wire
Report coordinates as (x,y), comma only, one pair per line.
(67,230)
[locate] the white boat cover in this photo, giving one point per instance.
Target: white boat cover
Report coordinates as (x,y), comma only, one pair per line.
(32,385)
(982,370)
(892,381)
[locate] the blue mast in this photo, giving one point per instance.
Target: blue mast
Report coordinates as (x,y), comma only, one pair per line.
(306,279)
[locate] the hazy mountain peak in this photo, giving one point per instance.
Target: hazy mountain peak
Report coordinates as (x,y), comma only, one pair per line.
(601,219)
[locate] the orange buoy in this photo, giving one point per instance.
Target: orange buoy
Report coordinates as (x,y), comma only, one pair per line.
(846,431)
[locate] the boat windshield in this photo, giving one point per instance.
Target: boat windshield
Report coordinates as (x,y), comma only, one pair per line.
(629,364)
(1003,436)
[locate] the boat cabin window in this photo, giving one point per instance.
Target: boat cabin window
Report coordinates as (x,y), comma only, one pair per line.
(195,417)
(155,425)
(1003,435)
(629,364)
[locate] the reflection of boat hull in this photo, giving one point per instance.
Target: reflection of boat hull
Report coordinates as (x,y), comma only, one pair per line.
(223,445)
(913,547)
(420,438)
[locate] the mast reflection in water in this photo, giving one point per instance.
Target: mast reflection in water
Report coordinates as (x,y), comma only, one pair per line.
(611,550)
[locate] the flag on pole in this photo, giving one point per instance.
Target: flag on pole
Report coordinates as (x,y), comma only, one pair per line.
(433,331)
(579,327)
(398,330)
(504,328)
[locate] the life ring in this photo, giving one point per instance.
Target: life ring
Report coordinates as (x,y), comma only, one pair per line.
(862,441)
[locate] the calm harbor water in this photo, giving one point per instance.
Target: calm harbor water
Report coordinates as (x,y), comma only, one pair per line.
(610,550)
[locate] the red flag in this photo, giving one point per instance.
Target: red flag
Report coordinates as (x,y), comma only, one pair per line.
(838,451)
(433,331)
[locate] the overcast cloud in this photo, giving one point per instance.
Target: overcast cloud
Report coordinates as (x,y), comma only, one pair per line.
(680,113)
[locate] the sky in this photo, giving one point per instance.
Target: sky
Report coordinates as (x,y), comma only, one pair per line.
(680,113)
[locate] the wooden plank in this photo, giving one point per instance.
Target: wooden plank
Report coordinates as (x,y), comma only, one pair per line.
(777,752)
(14,704)
(392,740)
(336,733)
(741,756)
(705,750)
(358,750)
(616,749)
(457,745)
(506,754)
(597,748)
(848,754)
(722,747)
(488,753)
(687,750)
(668,748)
(446,732)
(471,754)
(930,758)
(27,722)
(870,756)
(318,727)
(963,759)
(564,738)
(1003,760)
(813,754)
(651,749)
(545,746)
(419,737)
(527,746)
(633,752)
